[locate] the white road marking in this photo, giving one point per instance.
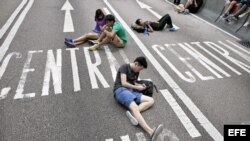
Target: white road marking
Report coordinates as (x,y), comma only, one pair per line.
(68,22)
(4,93)
(6,44)
(185,61)
(109,140)
(187,123)
(75,73)
(208,64)
(55,68)
(26,69)
(218,59)
(93,70)
(205,123)
(241,48)
(236,51)
(11,18)
(114,65)
(143,5)
(140,136)
(124,56)
(190,78)
(106,11)
(225,53)
(167,133)
(6,62)
(209,23)
(125,138)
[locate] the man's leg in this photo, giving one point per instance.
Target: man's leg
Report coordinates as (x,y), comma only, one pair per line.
(134,108)
(166,20)
(188,3)
(146,103)
(118,42)
(85,37)
(230,6)
(104,39)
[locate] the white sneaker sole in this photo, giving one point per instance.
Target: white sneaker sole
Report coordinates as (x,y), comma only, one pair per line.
(131,118)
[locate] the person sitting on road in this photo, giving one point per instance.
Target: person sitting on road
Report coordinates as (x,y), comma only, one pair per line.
(157,25)
(117,36)
(126,93)
(247,23)
(191,6)
(230,7)
(100,26)
(244,5)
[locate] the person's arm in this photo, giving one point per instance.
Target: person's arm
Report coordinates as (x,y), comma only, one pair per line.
(128,85)
(105,27)
(110,34)
(150,29)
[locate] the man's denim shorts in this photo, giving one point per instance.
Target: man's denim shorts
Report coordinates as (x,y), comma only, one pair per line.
(126,96)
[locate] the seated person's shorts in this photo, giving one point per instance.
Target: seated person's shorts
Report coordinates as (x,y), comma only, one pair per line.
(126,96)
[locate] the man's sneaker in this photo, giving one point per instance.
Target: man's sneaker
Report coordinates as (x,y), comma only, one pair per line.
(69,44)
(224,16)
(168,26)
(67,39)
(242,15)
(172,29)
(94,47)
(156,132)
(246,24)
(131,118)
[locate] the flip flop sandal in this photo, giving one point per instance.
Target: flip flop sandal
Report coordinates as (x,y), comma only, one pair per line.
(156,132)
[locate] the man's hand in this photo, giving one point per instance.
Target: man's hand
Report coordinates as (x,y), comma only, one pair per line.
(106,27)
(141,87)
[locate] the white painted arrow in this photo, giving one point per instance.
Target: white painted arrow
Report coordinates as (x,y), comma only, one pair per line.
(143,5)
(68,23)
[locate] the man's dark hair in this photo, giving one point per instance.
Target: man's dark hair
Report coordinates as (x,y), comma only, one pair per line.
(138,21)
(110,17)
(142,61)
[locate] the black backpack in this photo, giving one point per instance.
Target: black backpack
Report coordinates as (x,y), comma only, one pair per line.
(149,87)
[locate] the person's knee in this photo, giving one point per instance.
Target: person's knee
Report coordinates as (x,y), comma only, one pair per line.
(151,101)
(133,107)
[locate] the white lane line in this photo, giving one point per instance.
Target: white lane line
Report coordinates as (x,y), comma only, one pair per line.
(187,123)
(106,11)
(205,123)
(12,33)
(124,56)
(11,18)
(75,73)
(125,138)
(140,136)
(209,23)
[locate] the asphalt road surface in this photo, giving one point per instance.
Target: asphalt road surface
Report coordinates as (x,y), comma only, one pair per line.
(54,93)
